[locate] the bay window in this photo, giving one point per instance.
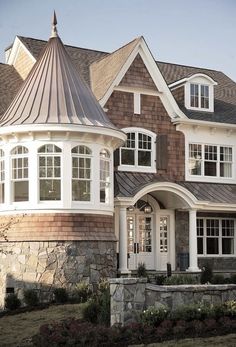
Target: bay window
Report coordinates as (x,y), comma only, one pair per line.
(50,172)
(210,160)
(81,173)
(215,236)
(19,174)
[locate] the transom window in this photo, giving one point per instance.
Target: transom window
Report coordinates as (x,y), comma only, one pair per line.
(19,174)
(210,160)
(215,236)
(105,176)
(81,173)
(137,152)
(50,172)
(2,176)
(199,96)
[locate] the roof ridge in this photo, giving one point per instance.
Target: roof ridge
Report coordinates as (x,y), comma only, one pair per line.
(190,66)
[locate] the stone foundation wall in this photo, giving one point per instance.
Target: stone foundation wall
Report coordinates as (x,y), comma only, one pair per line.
(130,296)
(46,265)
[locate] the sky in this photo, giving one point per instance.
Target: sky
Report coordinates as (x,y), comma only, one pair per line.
(197,33)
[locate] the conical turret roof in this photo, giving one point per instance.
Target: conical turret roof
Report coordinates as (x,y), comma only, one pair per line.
(55,93)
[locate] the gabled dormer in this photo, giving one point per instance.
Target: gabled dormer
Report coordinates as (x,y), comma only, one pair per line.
(198,91)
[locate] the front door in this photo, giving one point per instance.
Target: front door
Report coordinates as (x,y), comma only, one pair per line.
(140,240)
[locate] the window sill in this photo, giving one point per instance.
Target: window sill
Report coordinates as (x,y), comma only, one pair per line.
(144,169)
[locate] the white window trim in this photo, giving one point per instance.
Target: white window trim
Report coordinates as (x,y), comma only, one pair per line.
(219,255)
(203,177)
(137,168)
(137,103)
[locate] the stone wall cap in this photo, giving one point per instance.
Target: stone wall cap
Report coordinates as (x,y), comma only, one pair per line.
(190,287)
(130,280)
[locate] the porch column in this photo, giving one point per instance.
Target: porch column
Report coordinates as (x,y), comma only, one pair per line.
(123,255)
(193,266)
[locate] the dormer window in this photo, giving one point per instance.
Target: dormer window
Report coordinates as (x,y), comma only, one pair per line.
(199,93)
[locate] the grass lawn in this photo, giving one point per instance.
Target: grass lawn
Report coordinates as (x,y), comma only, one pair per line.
(218,341)
(14,329)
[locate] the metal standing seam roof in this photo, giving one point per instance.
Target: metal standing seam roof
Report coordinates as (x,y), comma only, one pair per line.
(127,184)
(55,93)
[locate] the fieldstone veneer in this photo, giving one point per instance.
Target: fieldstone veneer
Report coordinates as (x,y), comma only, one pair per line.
(130,296)
(46,265)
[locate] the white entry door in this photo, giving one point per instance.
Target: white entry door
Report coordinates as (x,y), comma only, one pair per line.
(140,240)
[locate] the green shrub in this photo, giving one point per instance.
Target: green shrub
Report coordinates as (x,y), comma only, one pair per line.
(181,279)
(81,293)
(60,295)
(191,312)
(98,308)
(31,297)
(230,308)
(142,271)
(154,316)
(12,302)
(206,274)
(160,280)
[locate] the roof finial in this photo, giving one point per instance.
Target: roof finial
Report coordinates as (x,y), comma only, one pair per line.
(54,25)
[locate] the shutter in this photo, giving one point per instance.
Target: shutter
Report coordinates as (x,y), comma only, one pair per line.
(117,157)
(161,152)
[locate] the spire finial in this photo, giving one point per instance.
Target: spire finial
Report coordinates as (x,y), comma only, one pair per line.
(54,25)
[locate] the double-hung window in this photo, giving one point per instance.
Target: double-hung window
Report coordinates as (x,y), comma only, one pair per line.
(50,172)
(81,173)
(138,151)
(210,160)
(215,236)
(19,174)
(199,96)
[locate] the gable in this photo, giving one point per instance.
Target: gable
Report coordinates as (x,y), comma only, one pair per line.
(23,63)
(137,76)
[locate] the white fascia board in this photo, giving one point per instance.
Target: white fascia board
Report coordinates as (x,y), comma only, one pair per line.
(15,49)
(186,79)
(203,123)
(167,99)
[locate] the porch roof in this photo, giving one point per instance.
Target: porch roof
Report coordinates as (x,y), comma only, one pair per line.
(128,184)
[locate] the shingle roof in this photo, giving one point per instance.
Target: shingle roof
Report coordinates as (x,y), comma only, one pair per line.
(225,91)
(54,93)
(10,82)
(104,71)
(127,184)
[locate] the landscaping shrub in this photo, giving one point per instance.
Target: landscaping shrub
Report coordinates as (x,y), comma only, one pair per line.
(142,271)
(31,297)
(81,293)
(60,295)
(98,308)
(12,302)
(181,279)
(154,316)
(206,274)
(160,280)
(218,279)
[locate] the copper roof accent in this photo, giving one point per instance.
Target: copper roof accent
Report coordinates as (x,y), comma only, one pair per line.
(54,93)
(104,71)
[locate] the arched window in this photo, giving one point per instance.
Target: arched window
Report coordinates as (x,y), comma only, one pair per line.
(105,176)
(19,174)
(138,151)
(50,172)
(81,173)
(2,176)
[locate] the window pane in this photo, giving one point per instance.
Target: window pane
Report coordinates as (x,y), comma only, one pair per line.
(80,190)
(144,158)
(50,189)
(20,191)
(212,245)
(127,156)
(200,245)
(225,170)
(227,246)
(210,168)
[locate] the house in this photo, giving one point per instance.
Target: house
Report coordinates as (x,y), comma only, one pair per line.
(168,195)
